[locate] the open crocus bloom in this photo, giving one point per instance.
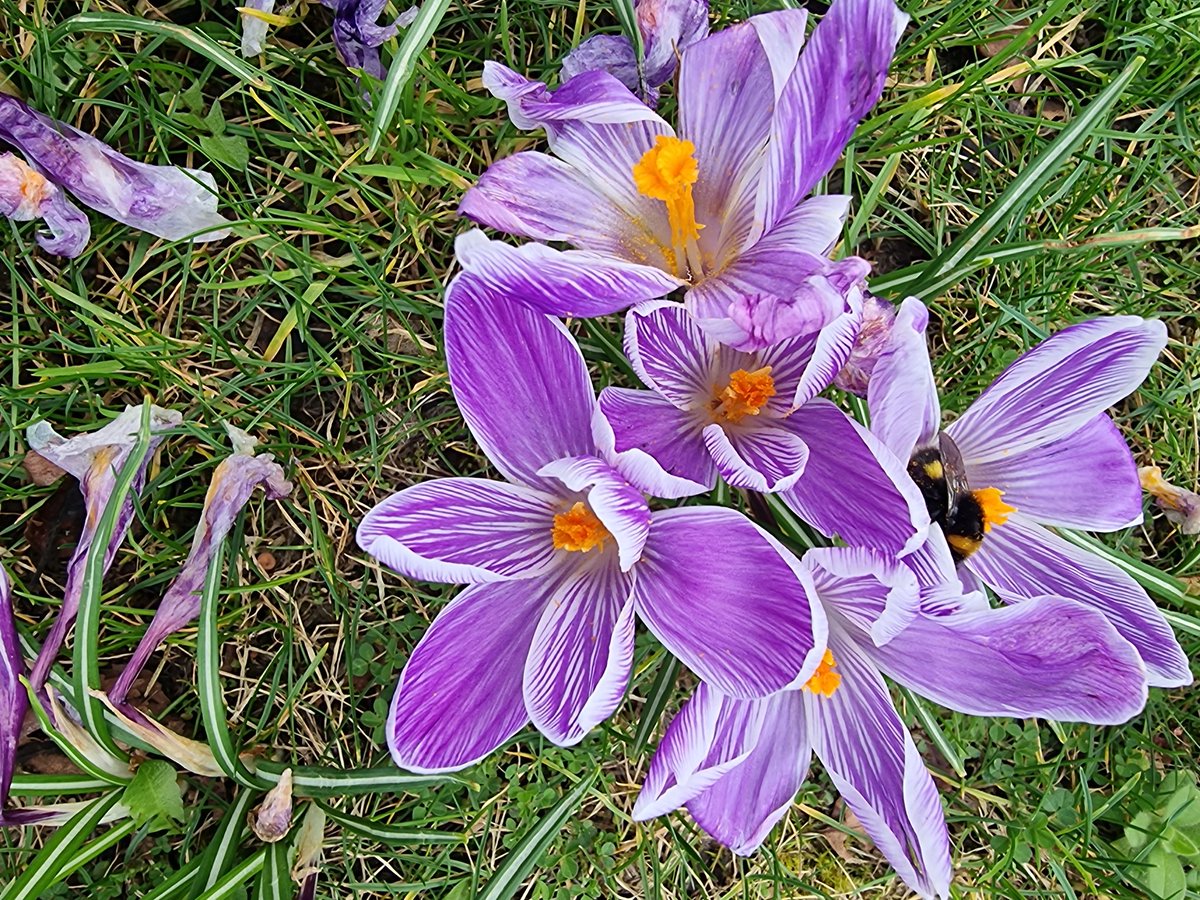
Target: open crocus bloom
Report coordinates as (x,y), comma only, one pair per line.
(716,207)
(754,418)
(737,764)
(560,559)
(668,27)
(1035,450)
(166,201)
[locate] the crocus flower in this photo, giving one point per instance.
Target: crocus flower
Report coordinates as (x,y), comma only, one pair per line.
(273,818)
(358,35)
(668,27)
(873,340)
(559,560)
(166,201)
(1035,452)
(716,207)
(754,418)
(13,701)
(232,484)
(254,28)
(736,764)
(95,458)
(1180,505)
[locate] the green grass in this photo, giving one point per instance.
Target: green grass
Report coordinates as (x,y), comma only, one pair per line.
(316,327)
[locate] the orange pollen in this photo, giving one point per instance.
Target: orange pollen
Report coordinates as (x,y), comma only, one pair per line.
(32,186)
(746,395)
(995,510)
(825,681)
(667,172)
(578,529)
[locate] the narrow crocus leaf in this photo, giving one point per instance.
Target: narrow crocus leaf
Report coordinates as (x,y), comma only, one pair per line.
(12,692)
(233,482)
(418,36)
(166,201)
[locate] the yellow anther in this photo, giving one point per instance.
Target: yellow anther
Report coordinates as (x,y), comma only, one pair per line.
(995,510)
(746,394)
(825,681)
(578,529)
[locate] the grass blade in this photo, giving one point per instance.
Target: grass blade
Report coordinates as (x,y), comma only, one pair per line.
(47,867)
(1017,196)
(929,722)
(416,39)
(656,702)
(521,861)
(1155,581)
(627,15)
(119,23)
(387,833)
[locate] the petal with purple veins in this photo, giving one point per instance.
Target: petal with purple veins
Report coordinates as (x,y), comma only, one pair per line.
(656,446)
(618,505)
(871,759)
(869,591)
(519,379)
(569,283)
(582,652)
(726,598)
(901,395)
(852,485)
(1058,387)
(1020,559)
(1046,657)
(757,455)
(1086,480)
(463,531)
(672,355)
(459,696)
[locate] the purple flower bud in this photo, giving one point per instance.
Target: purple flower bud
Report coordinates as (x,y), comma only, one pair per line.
(872,342)
(273,818)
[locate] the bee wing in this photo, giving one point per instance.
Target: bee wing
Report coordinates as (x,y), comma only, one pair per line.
(954,469)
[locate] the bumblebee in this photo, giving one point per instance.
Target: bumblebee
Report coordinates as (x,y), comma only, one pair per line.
(941,476)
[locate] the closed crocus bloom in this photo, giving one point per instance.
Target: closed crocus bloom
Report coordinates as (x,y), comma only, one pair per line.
(166,201)
(1035,452)
(717,206)
(873,340)
(737,764)
(560,559)
(754,418)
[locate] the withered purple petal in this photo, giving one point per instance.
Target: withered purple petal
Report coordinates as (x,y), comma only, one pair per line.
(13,699)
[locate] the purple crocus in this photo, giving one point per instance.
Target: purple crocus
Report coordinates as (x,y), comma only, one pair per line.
(1035,452)
(716,207)
(13,699)
(668,27)
(232,484)
(166,201)
(737,764)
(358,35)
(560,558)
(754,418)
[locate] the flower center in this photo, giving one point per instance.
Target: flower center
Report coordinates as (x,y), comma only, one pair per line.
(825,681)
(32,187)
(746,394)
(578,529)
(667,172)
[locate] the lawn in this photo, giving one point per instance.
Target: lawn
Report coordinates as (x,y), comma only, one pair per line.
(316,327)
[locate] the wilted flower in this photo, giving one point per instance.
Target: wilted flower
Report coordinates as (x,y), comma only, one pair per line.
(309,841)
(273,819)
(1035,450)
(233,482)
(717,208)
(737,764)
(560,559)
(873,340)
(668,27)
(95,458)
(192,755)
(1180,505)
(754,417)
(358,36)
(254,28)
(166,201)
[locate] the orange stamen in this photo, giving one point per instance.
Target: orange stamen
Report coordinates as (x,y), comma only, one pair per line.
(825,681)
(667,172)
(995,510)
(578,529)
(746,395)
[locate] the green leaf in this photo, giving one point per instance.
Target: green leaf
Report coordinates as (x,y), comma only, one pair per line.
(153,797)
(120,23)
(1141,829)
(215,120)
(1164,876)
(387,833)
(228,149)
(48,866)
(275,879)
(520,862)
(949,266)
(418,36)
(1179,843)
(220,855)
